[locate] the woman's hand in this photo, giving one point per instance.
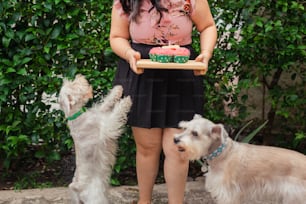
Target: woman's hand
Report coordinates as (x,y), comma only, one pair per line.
(132,57)
(204,58)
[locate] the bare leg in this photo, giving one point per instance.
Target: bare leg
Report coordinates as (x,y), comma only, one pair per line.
(149,145)
(175,168)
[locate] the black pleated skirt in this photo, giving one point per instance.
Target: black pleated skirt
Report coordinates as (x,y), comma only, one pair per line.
(161,98)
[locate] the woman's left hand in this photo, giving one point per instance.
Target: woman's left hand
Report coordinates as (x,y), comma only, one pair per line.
(205,60)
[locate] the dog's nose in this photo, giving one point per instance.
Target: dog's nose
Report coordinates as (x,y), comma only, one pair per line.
(176,140)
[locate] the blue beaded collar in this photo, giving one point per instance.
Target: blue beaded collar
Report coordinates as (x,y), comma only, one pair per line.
(217,152)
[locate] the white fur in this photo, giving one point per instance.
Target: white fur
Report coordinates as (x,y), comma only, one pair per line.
(244,173)
(95,133)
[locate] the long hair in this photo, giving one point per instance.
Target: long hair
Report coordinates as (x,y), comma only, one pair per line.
(132,7)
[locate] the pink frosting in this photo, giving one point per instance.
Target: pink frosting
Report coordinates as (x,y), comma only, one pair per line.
(182,52)
(170,51)
(155,50)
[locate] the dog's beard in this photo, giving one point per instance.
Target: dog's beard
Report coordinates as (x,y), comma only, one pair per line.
(188,152)
(193,154)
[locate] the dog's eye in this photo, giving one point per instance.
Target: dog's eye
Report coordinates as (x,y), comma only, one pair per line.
(194,133)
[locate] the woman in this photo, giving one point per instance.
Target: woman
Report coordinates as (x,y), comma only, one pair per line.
(161,98)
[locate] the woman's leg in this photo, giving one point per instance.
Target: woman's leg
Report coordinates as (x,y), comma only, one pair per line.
(175,168)
(149,145)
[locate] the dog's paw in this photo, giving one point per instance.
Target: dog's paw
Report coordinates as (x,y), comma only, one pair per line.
(117,91)
(74,186)
(128,100)
(122,108)
(126,103)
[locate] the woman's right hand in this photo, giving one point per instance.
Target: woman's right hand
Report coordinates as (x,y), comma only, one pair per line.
(132,57)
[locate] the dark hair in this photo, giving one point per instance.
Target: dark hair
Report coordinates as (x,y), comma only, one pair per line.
(132,7)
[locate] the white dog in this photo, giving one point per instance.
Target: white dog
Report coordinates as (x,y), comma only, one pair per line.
(94,132)
(243,173)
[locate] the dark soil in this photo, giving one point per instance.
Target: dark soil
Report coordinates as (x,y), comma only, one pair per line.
(38,174)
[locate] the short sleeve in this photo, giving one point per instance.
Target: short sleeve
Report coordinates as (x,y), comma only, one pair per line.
(117,5)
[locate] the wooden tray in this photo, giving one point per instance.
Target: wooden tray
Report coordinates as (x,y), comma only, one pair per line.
(190,65)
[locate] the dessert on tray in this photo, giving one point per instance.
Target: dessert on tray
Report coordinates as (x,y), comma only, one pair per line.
(171,57)
(170,53)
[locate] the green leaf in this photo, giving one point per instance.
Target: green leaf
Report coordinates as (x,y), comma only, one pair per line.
(10,70)
(10,34)
(29,37)
(48,5)
(46,49)
(6,41)
(241,130)
(259,24)
(250,136)
(54,156)
(7,62)
(40,154)
(56,31)
(26,60)
(22,71)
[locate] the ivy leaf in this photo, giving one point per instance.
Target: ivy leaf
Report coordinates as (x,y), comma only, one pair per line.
(10,70)
(22,71)
(29,37)
(56,32)
(6,41)
(26,60)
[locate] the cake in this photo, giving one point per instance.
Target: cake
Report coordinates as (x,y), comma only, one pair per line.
(153,53)
(170,53)
(181,55)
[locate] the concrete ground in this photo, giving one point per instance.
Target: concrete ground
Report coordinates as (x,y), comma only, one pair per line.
(194,194)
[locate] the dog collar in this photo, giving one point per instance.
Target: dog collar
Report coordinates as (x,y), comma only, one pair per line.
(203,162)
(217,152)
(77,114)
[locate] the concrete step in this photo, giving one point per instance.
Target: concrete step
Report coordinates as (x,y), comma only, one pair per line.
(194,194)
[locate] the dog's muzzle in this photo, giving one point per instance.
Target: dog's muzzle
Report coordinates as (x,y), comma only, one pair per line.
(177,141)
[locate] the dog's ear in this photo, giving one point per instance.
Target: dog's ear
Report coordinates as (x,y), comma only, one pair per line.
(216,130)
(83,84)
(65,81)
(216,135)
(197,116)
(80,77)
(219,132)
(65,103)
(183,124)
(89,94)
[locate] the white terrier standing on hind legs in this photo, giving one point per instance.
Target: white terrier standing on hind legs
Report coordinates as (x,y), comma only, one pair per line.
(242,173)
(95,132)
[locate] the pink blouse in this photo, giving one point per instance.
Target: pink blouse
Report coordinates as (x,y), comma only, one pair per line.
(175,27)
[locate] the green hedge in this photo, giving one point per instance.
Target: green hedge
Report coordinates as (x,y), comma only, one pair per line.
(45,40)
(263,42)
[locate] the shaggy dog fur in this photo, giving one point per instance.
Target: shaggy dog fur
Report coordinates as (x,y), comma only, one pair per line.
(243,173)
(95,133)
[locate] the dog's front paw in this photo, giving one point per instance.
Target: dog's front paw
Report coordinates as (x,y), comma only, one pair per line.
(121,109)
(112,98)
(127,103)
(74,186)
(117,91)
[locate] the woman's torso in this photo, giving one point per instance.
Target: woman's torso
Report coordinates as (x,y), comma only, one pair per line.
(175,26)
